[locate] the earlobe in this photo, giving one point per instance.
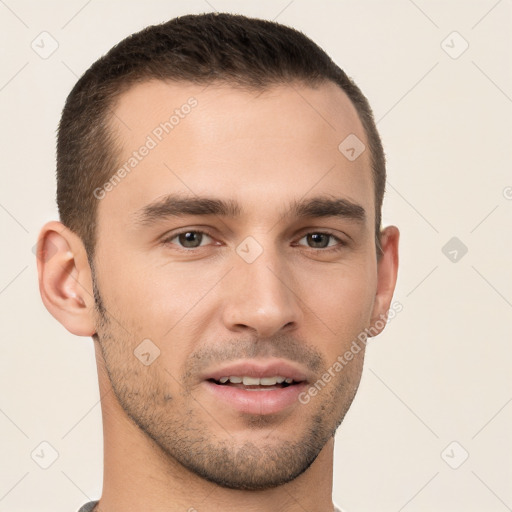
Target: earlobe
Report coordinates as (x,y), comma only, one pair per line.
(65,278)
(387,271)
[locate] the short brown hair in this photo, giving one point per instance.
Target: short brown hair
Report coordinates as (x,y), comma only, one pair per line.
(201,49)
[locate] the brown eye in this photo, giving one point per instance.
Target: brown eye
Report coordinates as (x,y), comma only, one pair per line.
(187,239)
(319,240)
(190,239)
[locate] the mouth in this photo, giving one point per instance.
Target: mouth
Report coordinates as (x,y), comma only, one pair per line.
(255,383)
(255,387)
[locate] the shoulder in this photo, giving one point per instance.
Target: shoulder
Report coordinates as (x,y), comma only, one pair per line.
(88,507)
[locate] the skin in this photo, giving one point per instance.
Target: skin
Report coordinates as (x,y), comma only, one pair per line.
(168,445)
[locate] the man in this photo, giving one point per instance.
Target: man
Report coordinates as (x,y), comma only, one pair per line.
(220,183)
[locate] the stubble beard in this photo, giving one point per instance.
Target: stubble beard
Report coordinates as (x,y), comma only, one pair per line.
(182,429)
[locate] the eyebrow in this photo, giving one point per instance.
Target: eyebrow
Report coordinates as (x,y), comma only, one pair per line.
(180,206)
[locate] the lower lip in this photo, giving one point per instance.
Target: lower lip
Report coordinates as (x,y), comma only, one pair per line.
(255,401)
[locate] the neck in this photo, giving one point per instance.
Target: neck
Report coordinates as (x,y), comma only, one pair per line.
(138,475)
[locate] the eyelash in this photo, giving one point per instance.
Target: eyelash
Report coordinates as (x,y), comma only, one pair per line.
(341,243)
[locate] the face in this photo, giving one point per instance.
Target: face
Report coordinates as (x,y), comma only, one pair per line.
(239,244)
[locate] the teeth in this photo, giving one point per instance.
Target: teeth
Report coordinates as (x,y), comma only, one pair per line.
(254,381)
(251,381)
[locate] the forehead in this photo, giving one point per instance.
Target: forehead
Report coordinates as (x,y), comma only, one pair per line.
(325,109)
(276,143)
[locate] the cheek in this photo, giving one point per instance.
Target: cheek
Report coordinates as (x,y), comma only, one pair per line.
(137,288)
(344,302)
(168,304)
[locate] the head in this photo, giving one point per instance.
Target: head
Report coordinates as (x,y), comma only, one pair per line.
(210,218)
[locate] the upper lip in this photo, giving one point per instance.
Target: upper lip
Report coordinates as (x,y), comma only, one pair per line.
(258,369)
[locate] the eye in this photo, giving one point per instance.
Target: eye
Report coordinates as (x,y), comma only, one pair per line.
(188,239)
(193,239)
(320,240)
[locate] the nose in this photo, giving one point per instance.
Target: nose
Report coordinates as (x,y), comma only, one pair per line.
(261,297)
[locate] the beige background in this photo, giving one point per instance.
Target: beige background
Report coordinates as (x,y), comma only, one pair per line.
(441,372)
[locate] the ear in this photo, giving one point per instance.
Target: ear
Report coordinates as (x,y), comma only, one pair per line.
(387,269)
(65,280)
